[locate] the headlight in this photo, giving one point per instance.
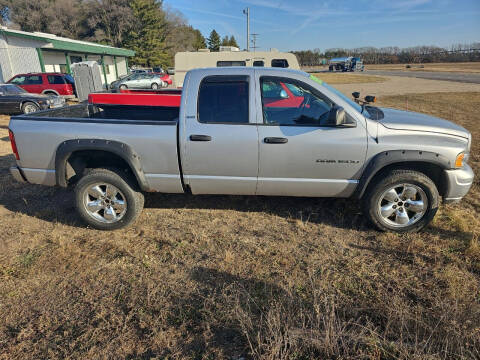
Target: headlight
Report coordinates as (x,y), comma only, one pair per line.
(461,159)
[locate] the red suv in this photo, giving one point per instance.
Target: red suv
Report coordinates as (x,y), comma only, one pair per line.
(46,83)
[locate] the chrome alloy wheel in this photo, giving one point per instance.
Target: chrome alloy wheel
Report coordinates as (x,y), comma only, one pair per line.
(402,205)
(105,202)
(30,108)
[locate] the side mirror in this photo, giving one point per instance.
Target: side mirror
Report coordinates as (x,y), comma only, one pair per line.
(283,94)
(336,117)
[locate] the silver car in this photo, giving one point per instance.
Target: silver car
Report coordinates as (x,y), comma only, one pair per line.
(139,81)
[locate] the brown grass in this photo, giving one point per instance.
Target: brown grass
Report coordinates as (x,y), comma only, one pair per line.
(224,277)
(468,67)
(343,78)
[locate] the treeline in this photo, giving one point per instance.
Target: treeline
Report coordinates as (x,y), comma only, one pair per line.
(394,55)
(153,30)
(214,41)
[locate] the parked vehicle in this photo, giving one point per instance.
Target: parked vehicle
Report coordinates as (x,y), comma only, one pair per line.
(171,71)
(15,100)
(346,64)
(239,131)
(46,83)
(164,77)
(139,81)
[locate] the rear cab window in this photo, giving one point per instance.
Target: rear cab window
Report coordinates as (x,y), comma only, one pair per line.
(224,99)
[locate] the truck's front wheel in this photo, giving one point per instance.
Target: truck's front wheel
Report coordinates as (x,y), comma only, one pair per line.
(108,199)
(401,201)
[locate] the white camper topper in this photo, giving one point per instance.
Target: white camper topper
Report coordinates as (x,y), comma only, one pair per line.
(185,61)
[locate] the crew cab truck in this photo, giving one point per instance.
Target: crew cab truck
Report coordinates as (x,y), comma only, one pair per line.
(244,131)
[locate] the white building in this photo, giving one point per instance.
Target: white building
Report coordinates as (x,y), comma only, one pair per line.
(24,52)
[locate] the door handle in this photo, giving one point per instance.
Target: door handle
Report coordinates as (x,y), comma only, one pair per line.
(200,138)
(275,140)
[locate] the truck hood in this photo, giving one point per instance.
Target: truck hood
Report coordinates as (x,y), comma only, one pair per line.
(408,120)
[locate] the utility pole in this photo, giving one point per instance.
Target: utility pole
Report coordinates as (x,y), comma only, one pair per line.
(247,12)
(254,41)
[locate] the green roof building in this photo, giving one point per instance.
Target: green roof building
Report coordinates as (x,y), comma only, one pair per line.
(24,52)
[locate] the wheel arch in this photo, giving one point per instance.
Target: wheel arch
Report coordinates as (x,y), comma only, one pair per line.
(50,91)
(73,156)
(429,163)
(29,101)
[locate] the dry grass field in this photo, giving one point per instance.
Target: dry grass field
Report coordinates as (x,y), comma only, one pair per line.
(227,277)
(345,78)
(467,67)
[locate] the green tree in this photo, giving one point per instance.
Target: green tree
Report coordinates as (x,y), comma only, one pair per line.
(214,41)
(232,41)
(148,36)
(225,41)
(199,41)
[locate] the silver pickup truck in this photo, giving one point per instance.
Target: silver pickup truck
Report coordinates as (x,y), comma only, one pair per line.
(245,131)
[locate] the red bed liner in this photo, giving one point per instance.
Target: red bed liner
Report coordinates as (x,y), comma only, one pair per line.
(164,98)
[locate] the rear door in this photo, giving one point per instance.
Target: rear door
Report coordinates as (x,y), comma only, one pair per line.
(220,132)
(300,154)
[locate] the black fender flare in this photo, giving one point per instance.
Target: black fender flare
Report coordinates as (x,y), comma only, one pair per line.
(124,151)
(386,158)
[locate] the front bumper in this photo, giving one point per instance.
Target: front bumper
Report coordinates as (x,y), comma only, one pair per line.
(17,174)
(459,182)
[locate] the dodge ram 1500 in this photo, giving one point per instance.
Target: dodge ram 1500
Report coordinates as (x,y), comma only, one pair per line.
(248,131)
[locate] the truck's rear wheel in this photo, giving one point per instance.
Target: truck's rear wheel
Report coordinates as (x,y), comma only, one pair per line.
(108,199)
(401,201)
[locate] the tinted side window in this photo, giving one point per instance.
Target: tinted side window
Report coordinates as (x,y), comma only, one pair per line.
(55,79)
(258,63)
(223,99)
(281,63)
(33,80)
(290,102)
(231,63)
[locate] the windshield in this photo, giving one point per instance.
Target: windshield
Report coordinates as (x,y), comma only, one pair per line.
(341,95)
(11,89)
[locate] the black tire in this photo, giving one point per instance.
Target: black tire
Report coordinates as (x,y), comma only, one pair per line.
(29,107)
(154,86)
(375,195)
(129,193)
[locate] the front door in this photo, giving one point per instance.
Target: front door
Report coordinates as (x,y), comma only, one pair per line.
(221,139)
(301,152)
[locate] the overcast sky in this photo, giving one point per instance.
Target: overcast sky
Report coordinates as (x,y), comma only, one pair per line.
(308,24)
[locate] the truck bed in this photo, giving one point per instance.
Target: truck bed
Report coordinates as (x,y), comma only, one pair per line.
(146,125)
